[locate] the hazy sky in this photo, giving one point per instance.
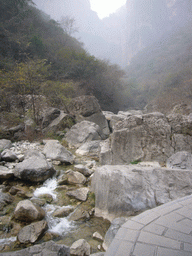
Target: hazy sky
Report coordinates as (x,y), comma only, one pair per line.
(105,7)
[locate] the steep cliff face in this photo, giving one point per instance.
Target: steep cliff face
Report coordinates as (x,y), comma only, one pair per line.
(86,19)
(179,11)
(133,27)
(97,36)
(148,20)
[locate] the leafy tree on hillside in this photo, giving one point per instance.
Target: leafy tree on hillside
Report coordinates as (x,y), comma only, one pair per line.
(11,8)
(25,79)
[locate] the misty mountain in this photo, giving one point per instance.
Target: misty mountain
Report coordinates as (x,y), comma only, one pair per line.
(102,38)
(133,27)
(161,75)
(148,21)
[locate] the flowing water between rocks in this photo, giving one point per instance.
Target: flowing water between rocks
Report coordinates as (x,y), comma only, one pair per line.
(62,230)
(51,197)
(68,231)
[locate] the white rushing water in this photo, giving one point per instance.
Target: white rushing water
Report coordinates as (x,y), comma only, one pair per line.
(56,225)
(8,240)
(48,187)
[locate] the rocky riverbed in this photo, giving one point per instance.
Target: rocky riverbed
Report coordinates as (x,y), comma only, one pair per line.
(62,205)
(55,194)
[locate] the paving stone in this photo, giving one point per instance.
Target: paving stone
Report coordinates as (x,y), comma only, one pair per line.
(113,247)
(144,249)
(186,201)
(146,237)
(185,211)
(163,231)
(188,247)
(132,225)
(178,236)
(173,221)
(124,249)
(155,229)
(166,209)
(170,252)
(127,235)
(147,218)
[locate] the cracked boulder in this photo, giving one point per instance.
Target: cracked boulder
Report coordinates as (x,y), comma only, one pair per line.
(26,211)
(180,160)
(34,169)
(32,232)
(123,190)
(87,108)
(55,151)
(140,137)
(82,132)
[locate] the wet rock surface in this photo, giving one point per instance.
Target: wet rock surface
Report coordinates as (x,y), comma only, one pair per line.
(55,151)
(180,160)
(45,249)
(31,233)
(26,211)
(34,169)
(79,248)
(83,132)
(65,200)
(79,194)
(5,199)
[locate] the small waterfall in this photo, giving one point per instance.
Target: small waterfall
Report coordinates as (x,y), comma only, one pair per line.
(8,240)
(48,187)
(56,225)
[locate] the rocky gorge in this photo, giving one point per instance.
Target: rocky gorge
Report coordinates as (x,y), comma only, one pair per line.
(104,168)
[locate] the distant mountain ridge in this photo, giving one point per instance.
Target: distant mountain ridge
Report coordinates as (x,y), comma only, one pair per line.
(123,34)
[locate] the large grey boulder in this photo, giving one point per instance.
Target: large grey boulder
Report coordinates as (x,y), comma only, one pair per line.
(90,148)
(84,106)
(98,254)
(79,194)
(181,142)
(55,151)
(60,123)
(45,249)
(5,199)
(146,138)
(5,173)
(33,153)
(75,177)
(180,124)
(26,211)
(83,169)
(130,112)
(5,144)
(32,232)
(83,132)
(105,154)
(34,169)
(180,160)
(49,115)
(122,190)
(80,248)
(99,119)
(87,108)
(8,156)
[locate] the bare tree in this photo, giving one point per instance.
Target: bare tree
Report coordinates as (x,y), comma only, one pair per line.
(68,25)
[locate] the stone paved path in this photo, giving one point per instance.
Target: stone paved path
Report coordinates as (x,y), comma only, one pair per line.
(163,231)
